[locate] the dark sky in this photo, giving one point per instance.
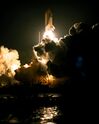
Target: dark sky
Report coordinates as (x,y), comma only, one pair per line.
(20,22)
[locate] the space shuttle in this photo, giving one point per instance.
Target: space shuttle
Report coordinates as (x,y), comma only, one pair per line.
(49,21)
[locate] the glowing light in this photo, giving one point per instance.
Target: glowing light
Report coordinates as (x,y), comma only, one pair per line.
(26,66)
(50,78)
(48,113)
(8,61)
(14,67)
(49,34)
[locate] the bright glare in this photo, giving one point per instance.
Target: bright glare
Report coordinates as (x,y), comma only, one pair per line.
(50,79)
(49,34)
(14,67)
(26,66)
(47,80)
(47,114)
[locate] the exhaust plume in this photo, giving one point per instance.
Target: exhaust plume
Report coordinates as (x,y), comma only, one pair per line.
(9,61)
(71,57)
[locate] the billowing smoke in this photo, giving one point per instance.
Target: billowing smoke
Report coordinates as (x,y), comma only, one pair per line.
(31,73)
(36,71)
(9,61)
(73,57)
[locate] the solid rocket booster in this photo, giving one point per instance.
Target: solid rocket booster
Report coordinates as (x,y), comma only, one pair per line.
(49,21)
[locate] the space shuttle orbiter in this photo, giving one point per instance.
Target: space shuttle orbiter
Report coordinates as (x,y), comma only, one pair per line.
(49,21)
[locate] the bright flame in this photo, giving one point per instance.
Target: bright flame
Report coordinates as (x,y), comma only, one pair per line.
(48,80)
(49,34)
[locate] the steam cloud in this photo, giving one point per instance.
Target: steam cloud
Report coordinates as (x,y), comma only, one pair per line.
(32,73)
(8,61)
(74,56)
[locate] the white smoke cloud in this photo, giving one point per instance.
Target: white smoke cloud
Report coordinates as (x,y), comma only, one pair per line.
(9,61)
(56,61)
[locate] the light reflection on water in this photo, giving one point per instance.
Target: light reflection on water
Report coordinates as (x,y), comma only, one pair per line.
(43,115)
(39,114)
(48,114)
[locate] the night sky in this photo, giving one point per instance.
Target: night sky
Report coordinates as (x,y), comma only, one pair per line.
(20,22)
